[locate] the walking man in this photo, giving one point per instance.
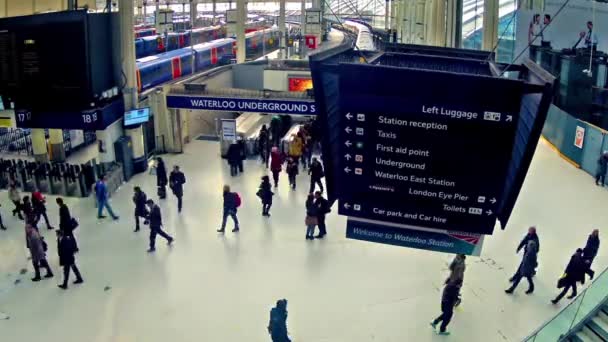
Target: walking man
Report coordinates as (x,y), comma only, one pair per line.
(322,210)
(156,223)
(39,207)
(139,199)
(66,248)
(448,300)
(66,223)
(590,251)
(161,178)
(176,182)
(15,197)
(231,203)
(575,271)
(316,173)
(101,192)
(526,268)
(602,166)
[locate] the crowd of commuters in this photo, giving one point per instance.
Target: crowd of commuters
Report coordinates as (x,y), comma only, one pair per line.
(32,209)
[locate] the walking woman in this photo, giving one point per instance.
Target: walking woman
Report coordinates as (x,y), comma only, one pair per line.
(276,163)
(36,245)
(265,194)
(311,217)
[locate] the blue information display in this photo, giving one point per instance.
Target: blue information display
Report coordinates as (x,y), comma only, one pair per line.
(137,116)
(435,158)
(295,107)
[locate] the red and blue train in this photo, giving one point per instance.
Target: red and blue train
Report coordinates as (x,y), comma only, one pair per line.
(155,70)
(152,45)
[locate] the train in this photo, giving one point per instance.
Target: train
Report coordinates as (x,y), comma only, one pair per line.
(364,40)
(158,69)
(154,44)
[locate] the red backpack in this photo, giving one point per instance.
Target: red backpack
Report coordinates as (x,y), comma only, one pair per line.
(237,199)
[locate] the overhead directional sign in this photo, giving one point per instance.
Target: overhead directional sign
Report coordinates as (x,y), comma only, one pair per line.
(260,105)
(422,159)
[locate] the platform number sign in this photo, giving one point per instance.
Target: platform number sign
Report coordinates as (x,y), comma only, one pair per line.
(579,137)
(24,116)
(89,118)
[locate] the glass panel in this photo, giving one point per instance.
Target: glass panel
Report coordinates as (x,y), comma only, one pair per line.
(561,323)
(595,294)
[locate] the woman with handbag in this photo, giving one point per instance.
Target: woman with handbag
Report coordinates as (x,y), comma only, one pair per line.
(37,248)
(311,217)
(265,194)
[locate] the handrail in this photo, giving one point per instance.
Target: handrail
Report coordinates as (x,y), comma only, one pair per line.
(533,335)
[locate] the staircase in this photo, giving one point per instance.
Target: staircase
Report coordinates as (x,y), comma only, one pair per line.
(595,329)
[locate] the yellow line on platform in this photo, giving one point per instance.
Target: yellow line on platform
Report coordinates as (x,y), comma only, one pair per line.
(553,147)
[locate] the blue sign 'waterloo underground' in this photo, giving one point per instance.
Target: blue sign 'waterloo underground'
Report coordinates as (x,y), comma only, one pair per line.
(295,107)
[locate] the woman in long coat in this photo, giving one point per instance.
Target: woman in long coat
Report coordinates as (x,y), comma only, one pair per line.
(36,244)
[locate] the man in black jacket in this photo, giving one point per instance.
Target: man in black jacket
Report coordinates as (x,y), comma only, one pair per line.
(139,199)
(590,251)
(448,300)
(156,223)
(176,182)
(575,271)
(66,224)
(315,171)
(66,247)
(230,209)
(322,210)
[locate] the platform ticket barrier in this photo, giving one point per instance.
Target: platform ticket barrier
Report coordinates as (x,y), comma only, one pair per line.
(431,163)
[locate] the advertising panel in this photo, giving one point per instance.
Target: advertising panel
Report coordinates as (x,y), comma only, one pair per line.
(298,83)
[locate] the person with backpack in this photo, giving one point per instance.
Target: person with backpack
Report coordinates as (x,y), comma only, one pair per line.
(265,194)
(177,179)
(276,162)
(66,248)
(139,199)
(156,223)
(38,248)
(39,207)
(161,178)
(67,224)
(311,217)
(292,172)
(322,209)
(232,201)
(316,173)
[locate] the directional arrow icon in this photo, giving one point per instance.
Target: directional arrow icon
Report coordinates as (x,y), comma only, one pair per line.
(489,212)
(347,156)
(347,169)
(348,143)
(348,130)
(509,118)
(349,116)
(493,200)
(346,206)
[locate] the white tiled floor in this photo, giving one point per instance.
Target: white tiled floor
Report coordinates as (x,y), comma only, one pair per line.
(209,287)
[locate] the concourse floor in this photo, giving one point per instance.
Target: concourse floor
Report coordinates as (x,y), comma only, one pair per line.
(211,287)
